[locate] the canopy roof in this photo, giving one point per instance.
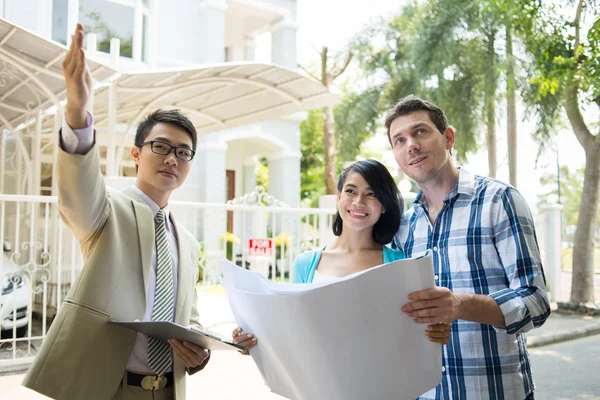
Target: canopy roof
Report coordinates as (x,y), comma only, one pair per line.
(31,77)
(214,96)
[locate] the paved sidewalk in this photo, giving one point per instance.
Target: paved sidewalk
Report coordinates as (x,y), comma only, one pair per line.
(228,375)
(562,327)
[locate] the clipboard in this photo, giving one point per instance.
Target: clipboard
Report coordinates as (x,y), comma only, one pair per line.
(165,330)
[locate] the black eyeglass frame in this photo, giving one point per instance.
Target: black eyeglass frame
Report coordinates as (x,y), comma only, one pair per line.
(151,143)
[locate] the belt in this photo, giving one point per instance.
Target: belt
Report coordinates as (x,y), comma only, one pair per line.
(150,382)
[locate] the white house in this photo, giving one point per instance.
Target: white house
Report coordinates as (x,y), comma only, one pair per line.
(188,54)
(181,35)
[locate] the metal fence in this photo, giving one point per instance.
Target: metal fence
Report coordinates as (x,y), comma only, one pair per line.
(41,259)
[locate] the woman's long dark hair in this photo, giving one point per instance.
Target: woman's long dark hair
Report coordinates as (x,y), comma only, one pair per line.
(386,191)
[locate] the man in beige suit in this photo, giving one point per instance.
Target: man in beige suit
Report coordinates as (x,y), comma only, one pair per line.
(139,262)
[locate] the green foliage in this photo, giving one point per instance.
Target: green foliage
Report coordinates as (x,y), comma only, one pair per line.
(355,119)
(350,133)
(416,52)
(550,40)
(449,51)
(312,163)
(106,34)
(201,263)
(262,174)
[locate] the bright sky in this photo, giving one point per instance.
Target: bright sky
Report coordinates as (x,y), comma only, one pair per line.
(334,22)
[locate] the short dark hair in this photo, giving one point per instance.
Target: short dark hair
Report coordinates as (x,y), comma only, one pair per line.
(173,117)
(380,180)
(412,103)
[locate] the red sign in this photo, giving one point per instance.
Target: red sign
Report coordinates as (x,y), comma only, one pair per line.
(260,247)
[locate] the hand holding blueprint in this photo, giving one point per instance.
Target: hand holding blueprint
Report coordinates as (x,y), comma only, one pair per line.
(343,340)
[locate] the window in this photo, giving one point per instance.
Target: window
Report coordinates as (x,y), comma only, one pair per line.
(59,20)
(108,20)
(145,38)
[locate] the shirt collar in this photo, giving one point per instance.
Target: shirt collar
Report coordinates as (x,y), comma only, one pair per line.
(153,206)
(464,185)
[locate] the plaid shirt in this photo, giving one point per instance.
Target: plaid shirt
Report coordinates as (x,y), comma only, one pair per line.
(483,242)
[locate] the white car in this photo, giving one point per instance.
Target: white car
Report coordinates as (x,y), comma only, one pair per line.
(14,296)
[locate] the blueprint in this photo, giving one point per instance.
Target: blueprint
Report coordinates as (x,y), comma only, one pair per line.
(339,340)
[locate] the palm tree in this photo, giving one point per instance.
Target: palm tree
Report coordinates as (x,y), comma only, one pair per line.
(386,54)
(327,77)
(453,24)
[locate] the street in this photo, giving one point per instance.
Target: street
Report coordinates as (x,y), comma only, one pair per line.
(568,370)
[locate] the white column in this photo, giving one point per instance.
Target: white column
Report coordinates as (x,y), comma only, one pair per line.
(206,184)
(137,31)
(211,22)
(72,18)
(254,221)
(284,185)
(552,249)
(250,169)
(152,31)
(2,9)
(19,169)
(36,162)
(55,143)
(250,49)
(2,151)
(115,45)
(283,44)
(284,177)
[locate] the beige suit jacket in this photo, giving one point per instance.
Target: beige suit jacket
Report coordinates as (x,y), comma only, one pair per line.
(84,357)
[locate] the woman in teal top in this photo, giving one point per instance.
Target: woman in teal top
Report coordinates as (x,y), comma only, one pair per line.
(306,263)
(369,210)
(368,217)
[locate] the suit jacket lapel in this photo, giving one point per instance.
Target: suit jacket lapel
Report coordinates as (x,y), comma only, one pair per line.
(184,272)
(145,225)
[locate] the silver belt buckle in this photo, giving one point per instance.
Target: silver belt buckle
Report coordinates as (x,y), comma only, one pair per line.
(154,382)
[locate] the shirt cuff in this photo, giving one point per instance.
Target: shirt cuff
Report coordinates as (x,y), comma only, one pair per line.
(516,314)
(78,141)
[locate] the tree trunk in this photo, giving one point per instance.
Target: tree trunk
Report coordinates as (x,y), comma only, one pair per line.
(329,149)
(327,78)
(511,109)
(490,107)
(582,282)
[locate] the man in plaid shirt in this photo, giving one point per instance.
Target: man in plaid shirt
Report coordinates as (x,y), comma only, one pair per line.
(490,283)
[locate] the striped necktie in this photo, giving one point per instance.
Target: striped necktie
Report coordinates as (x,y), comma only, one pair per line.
(159,353)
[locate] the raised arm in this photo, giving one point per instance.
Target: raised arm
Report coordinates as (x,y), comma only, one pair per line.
(78,81)
(83,202)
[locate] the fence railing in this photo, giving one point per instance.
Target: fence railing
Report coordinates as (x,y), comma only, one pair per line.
(41,259)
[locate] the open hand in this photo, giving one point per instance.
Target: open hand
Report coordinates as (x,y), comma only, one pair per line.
(78,81)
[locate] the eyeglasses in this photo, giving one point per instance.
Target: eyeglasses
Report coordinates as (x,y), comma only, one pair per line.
(162,148)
